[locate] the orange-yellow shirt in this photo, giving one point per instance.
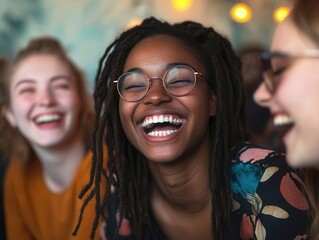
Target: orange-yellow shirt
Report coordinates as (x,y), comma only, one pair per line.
(33,212)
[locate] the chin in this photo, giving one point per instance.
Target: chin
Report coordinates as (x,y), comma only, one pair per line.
(160,159)
(300,160)
(51,144)
(294,158)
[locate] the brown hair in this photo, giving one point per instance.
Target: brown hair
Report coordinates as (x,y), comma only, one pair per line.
(43,46)
(3,123)
(305,17)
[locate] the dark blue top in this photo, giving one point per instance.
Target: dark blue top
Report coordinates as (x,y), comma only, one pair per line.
(268,200)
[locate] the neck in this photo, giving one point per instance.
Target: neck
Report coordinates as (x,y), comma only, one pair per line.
(181,200)
(184,187)
(60,164)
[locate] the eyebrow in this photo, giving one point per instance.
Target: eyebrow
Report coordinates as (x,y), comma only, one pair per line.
(22,82)
(176,64)
(168,66)
(58,77)
(55,78)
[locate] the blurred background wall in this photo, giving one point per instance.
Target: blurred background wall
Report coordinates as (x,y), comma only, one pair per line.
(86,27)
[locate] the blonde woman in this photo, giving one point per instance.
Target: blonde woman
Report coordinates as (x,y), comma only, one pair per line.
(47,105)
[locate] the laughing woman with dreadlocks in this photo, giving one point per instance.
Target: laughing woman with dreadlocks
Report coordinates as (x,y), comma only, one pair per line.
(169,105)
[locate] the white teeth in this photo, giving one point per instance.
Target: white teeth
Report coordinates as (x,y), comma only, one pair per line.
(282,120)
(155,119)
(161,133)
(161,119)
(48,118)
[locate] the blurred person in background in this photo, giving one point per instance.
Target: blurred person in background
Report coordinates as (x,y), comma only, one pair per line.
(49,109)
(290,89)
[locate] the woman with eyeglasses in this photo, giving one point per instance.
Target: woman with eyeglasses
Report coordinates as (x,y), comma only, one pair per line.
(291,91)
(169,102)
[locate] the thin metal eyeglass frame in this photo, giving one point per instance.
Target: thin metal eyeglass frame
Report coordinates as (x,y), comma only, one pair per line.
(161,78)
(267,76)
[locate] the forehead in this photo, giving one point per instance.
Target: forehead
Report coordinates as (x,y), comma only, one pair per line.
(39,66)
(161,50)
(288,38)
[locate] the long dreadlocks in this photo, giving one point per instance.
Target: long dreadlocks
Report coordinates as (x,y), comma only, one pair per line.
(127,168)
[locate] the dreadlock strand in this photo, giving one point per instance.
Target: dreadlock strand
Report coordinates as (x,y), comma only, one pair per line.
(86,201)
(93,166)
(99,166)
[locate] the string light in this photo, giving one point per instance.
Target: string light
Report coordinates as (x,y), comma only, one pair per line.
(241,12)
(281,13)
(182,5)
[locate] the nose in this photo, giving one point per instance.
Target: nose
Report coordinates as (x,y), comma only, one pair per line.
(46,97)
(157,94)
(262,96)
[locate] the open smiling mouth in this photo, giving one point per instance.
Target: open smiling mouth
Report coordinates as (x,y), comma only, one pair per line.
(48,118)
(161,125)
(283,123)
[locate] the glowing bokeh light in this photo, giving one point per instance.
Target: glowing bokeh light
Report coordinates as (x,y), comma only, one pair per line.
(241,12)
(133,22)
(182,5)
(281,13)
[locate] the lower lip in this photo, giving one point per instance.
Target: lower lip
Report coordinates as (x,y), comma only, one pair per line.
(161,138)
(48,126)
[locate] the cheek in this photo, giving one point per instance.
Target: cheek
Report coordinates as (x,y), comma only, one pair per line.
(298,90)
(289,89)
(71,101)
(19,114)
(20,106)
(202,103)
(199,109)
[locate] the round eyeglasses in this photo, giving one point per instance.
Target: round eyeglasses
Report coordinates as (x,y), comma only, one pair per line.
(178,80)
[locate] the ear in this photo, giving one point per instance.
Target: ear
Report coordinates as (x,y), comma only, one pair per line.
(212,104)
(8,114)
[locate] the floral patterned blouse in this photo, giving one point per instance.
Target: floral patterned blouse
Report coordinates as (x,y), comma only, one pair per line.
(268,200)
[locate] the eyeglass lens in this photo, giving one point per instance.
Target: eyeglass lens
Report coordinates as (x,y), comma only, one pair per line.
(273,65)
(178,81)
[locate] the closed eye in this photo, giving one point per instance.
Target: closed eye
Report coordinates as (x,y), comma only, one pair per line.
(279,71)
(26,90)
(134,87)
(62,86)
(180,82)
